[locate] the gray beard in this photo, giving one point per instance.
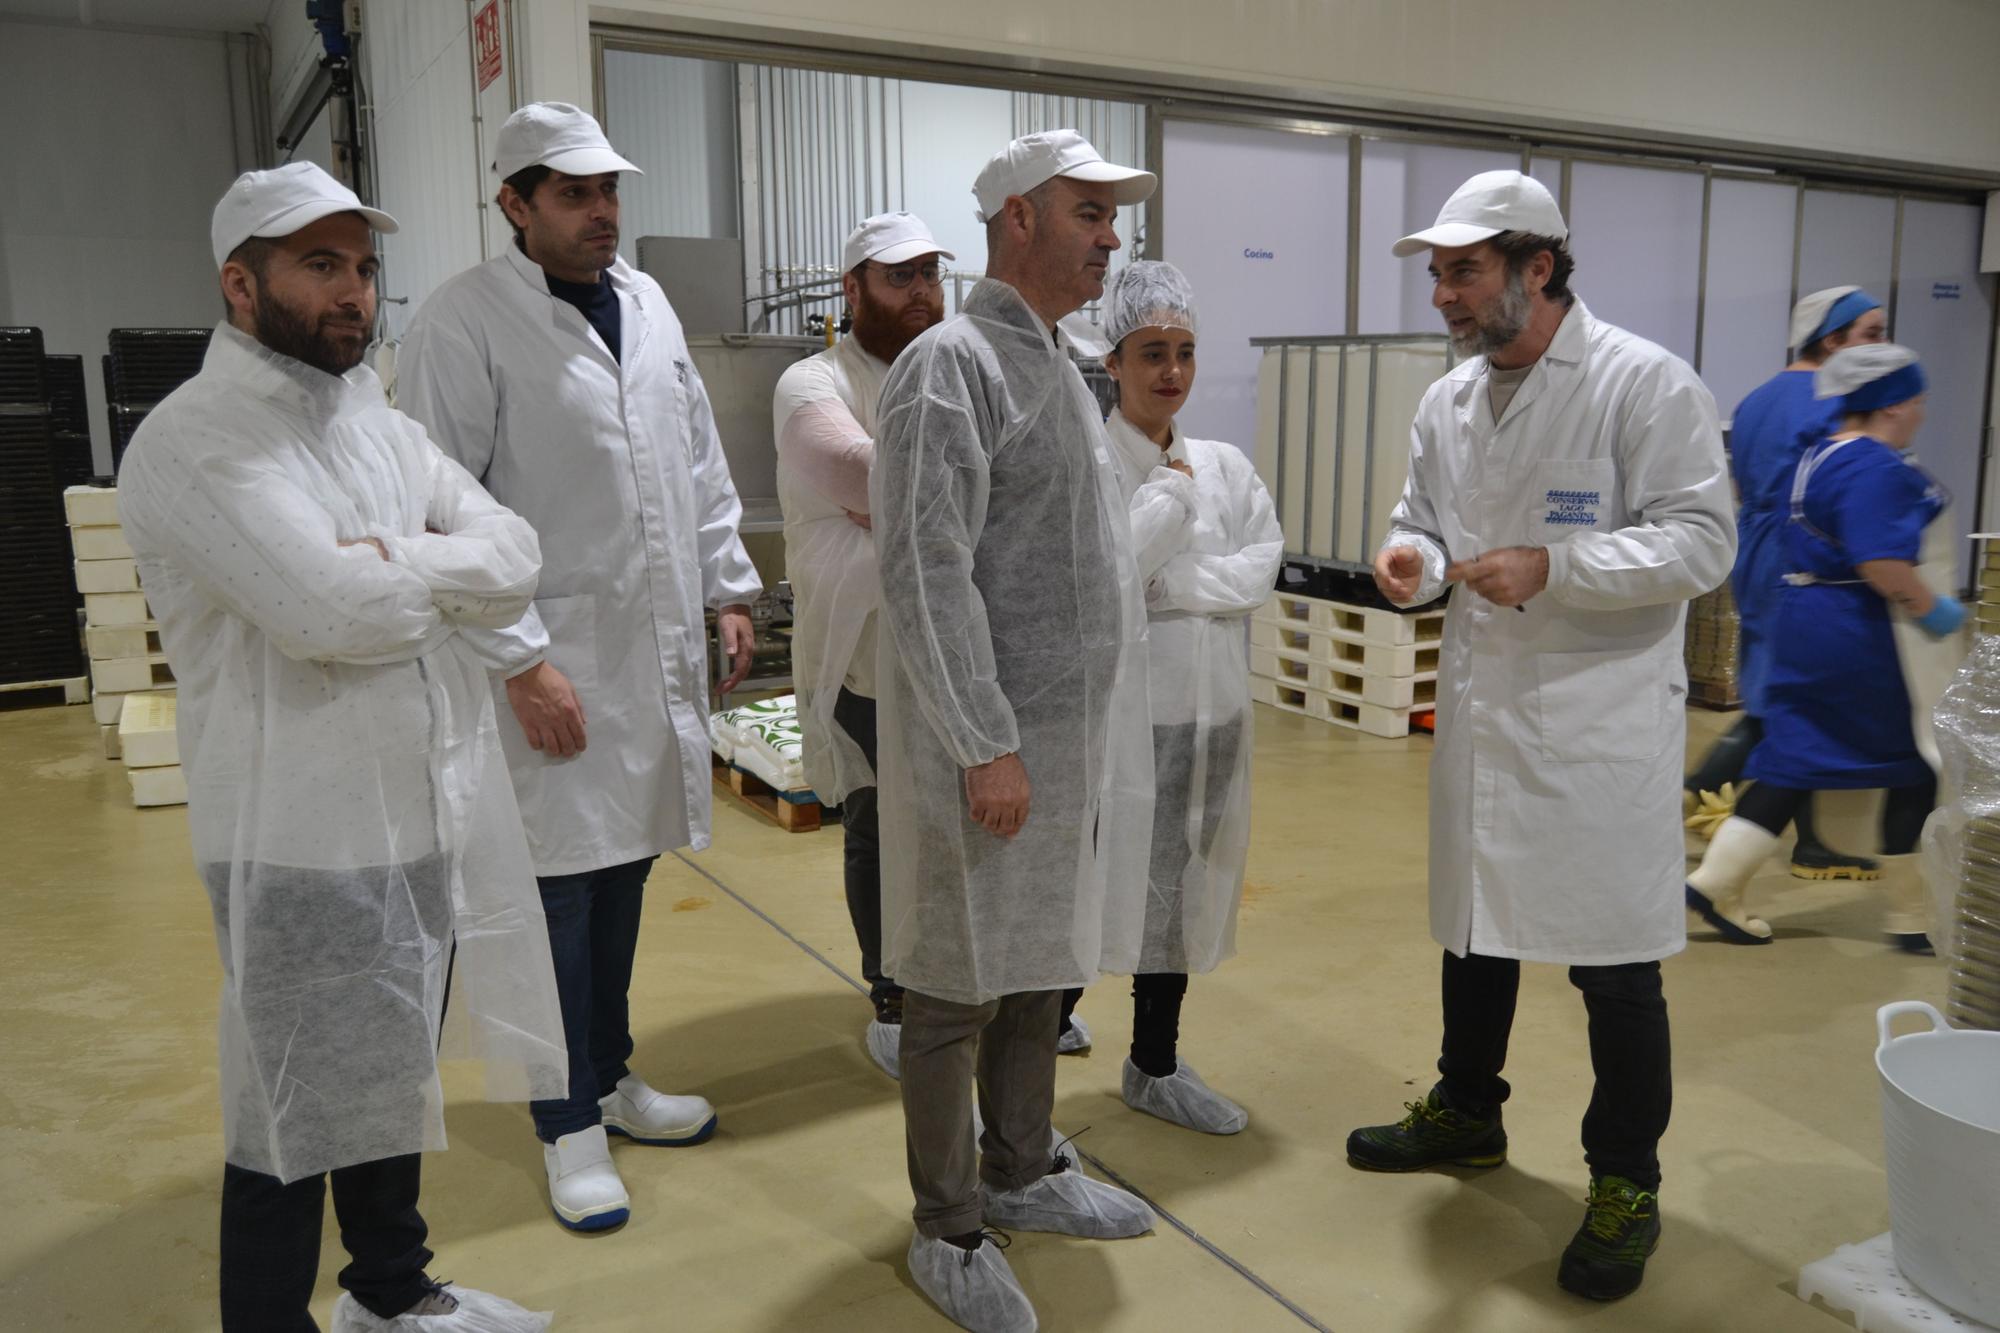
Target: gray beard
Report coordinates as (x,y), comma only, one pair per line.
(1499,324)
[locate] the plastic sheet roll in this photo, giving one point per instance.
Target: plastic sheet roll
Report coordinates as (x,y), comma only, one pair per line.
(1962,840)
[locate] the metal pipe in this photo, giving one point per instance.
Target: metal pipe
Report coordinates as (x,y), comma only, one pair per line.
(1312,438)
(1284,419)
(1368,458)
(1701,277)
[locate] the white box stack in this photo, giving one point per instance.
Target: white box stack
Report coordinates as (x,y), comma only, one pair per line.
(1354,666)
(119,632)
(151,748)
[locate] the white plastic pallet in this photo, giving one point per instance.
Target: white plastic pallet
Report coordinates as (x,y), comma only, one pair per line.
(103,542)
(116,608)
(1390,723)
(158,786)
(1863,1282)
(1295,669)
(106,642)
(76,689)
(1367,623)
(106,707)
(1338,648)
(107,575)
(146,733)
(123,675)
(109,734)
(91,506)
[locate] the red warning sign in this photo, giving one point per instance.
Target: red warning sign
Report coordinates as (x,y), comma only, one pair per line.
(486,43)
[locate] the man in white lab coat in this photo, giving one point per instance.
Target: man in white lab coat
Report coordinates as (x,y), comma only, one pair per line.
(823,418)
(559,376)
(1569,477)
(316,565)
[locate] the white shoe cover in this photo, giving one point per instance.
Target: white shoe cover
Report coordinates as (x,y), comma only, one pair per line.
(976,1289)
(478,1312)
(645,1116)
(885,1047)
(1076,1040)
(1181,1098)
(584,1187)
(1071,1203)
(1735,853)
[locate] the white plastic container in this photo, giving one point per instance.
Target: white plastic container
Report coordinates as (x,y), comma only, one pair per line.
(1941,1133)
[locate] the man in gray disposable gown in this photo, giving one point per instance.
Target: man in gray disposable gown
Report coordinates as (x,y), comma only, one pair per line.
(1011,670)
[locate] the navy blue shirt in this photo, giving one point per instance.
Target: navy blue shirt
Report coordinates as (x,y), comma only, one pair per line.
(596,302)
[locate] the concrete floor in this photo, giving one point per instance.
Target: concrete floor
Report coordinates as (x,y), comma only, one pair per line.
(796,1215)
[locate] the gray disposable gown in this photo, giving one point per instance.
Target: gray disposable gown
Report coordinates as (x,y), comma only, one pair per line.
(1012,619)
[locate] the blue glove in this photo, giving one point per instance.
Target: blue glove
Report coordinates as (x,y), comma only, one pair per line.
(1945,616)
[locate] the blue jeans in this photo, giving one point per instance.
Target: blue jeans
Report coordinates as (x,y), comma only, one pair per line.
(593,932)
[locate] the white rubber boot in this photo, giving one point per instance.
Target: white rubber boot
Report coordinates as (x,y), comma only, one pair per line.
(1715,888)
(1906,914)
(584,1188)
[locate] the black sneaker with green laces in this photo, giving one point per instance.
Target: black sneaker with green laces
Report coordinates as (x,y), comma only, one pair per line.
(1432,1134)
(1606,1259)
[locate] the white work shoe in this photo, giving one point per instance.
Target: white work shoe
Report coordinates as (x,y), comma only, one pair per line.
(446,1310)
(1069,1202)
(1181,1098)
(885,1047)
(976,1289)
(1716,887)
(656,1118)
(1075,1041)
(584,1188)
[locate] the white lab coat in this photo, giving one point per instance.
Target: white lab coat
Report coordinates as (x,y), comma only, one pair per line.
(347,799)
(616,463)
(1208,549)
(1012,622)
(823,404)
(1555,788)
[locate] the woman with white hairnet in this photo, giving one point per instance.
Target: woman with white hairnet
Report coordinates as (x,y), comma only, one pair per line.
(1208,545)
(1854,643)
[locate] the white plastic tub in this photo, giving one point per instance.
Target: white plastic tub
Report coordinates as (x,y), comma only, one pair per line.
(1941,1131)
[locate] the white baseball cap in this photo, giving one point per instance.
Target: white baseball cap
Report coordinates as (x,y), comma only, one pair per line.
(281,201)
(890,238)
(558,136)
(1034,158)
(1485,206)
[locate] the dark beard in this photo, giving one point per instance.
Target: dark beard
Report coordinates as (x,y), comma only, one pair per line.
(881,331)
(285,331)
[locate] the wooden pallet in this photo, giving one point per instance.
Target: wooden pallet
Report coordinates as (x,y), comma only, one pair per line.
(1390,723)
(794,812)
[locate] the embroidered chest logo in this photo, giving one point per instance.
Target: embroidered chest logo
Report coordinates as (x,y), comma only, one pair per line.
(1573,508)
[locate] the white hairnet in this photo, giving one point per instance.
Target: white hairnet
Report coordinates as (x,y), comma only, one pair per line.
(1851,367)
(1809,316)
(1145,293)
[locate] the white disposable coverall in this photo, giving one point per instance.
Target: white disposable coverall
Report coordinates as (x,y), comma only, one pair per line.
(1208,549)
(616,462)
(1555,829)
(1012,621)
(823,418)
(347,797)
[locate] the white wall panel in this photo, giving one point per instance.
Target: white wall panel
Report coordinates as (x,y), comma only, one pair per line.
(1277,268)
(1848,239)
(674,118)
(1944,312)
(1403,185)
(1636,236)
(1749,301)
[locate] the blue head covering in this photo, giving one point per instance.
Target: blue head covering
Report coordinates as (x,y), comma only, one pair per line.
(1823,312)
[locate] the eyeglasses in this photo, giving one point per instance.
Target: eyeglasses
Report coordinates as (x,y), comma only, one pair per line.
(902,275)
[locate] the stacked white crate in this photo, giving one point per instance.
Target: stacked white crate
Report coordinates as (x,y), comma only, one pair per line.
(1354,666)
(119,631)
(150,747)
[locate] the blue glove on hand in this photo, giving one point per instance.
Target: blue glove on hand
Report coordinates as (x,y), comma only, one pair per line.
(1945,616)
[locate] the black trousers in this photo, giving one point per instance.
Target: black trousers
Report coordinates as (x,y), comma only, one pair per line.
(270,1243)
(1904,810)
(1629,1052)
(1156,1019)
(861,853)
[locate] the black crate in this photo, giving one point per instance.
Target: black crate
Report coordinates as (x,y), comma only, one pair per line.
(68,405)
(124,425)
(22,377)
(70,458)
(148,364)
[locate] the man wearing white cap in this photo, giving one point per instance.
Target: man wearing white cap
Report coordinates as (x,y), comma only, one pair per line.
(1772,427)
(1015,746)
(316,565)
(1569,476)
(559,376)
(823,416)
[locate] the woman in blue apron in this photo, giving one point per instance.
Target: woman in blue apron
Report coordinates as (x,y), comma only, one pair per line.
(1864,556)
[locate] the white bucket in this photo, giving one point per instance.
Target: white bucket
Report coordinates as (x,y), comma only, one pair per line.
(1941,1131)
